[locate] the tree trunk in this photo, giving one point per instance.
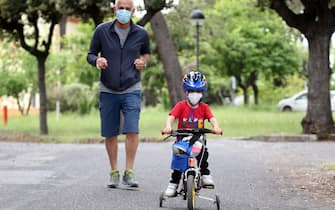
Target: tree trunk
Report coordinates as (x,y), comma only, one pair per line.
(168,56)
(32,93)
(62,29)
(245,94)
(318,119)
(255,90)
(252,82)
(43,95)
(19,105)
(244,87)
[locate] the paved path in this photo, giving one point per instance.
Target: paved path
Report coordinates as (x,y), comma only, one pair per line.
(248,175)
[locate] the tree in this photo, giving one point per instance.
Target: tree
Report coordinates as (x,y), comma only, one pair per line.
(165,46)
(15,17)
(14,85)
(252,44)
(169,58)
(316,20)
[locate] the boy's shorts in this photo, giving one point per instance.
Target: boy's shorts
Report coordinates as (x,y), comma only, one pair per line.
(110,107)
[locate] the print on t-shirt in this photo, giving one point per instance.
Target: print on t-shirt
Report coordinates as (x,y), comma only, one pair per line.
(189,117)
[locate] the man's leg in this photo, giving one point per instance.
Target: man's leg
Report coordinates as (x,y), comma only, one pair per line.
(131,106)
(112,149)
(131,148)
(110,123)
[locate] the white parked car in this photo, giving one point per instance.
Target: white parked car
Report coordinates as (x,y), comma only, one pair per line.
(298,102)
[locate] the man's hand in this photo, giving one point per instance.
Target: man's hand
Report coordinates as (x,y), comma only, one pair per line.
(140,64)
(101,63)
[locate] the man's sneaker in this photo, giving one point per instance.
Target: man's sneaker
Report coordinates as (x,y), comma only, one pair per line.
(207,181)
(114,179)
(129,178)
(171,190)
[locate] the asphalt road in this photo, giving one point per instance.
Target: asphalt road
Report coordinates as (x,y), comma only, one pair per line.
(248,175)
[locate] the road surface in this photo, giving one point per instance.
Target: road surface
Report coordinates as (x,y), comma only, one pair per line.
(248,175)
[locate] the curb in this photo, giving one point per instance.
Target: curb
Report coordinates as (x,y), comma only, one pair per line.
(284,138)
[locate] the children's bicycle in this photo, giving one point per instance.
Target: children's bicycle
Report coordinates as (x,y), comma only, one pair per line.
(186,149)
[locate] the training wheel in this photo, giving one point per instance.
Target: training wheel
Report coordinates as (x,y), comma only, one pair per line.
(161,199)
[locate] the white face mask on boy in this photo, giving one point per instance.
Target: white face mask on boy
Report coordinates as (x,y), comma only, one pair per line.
(194,98)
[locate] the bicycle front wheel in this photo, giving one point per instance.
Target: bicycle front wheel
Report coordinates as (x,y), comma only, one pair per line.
(190,192)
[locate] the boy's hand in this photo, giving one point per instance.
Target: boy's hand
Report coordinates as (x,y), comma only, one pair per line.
(218,130)
(167,130)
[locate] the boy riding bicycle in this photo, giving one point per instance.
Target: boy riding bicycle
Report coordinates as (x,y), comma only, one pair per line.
(192,113)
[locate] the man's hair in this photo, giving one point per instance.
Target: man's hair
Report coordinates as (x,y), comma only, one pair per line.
(117,1)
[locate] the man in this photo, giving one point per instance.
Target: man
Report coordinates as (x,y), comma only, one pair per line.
(120,49)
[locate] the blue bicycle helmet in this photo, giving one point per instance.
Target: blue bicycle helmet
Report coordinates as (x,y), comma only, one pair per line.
(195,81)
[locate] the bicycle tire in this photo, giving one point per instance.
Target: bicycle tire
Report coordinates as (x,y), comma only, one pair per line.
(190,192)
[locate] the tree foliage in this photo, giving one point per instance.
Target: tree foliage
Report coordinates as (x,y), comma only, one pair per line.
(251,43)
(17,78)
(71,62)
(96,10)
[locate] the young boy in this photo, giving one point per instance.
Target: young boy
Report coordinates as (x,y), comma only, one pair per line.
(192,113)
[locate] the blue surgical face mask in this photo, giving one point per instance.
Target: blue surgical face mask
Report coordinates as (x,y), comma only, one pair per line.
(123,16)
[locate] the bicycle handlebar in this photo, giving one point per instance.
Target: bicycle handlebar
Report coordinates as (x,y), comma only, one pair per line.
(189,131)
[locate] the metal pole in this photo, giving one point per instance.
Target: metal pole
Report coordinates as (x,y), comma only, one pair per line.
(197,46)
(57,110)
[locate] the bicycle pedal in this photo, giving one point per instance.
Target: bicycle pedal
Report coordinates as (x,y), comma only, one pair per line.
(208,187)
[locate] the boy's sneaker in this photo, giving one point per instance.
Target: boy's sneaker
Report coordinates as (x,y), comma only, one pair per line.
(114,179)
(129,178)
(171,190)
(207,181)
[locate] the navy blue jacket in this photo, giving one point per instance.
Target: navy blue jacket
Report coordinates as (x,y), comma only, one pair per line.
(121,72)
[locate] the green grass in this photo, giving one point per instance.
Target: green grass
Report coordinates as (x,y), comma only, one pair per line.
(244,121)
(235,121)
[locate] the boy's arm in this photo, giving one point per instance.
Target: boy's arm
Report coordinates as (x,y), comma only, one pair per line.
(215,125)
(169,122)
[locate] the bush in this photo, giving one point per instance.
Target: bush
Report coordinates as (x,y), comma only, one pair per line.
(55,94)
(165,99)
(269,94)
(74,97)
(78,98)
(95,95)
